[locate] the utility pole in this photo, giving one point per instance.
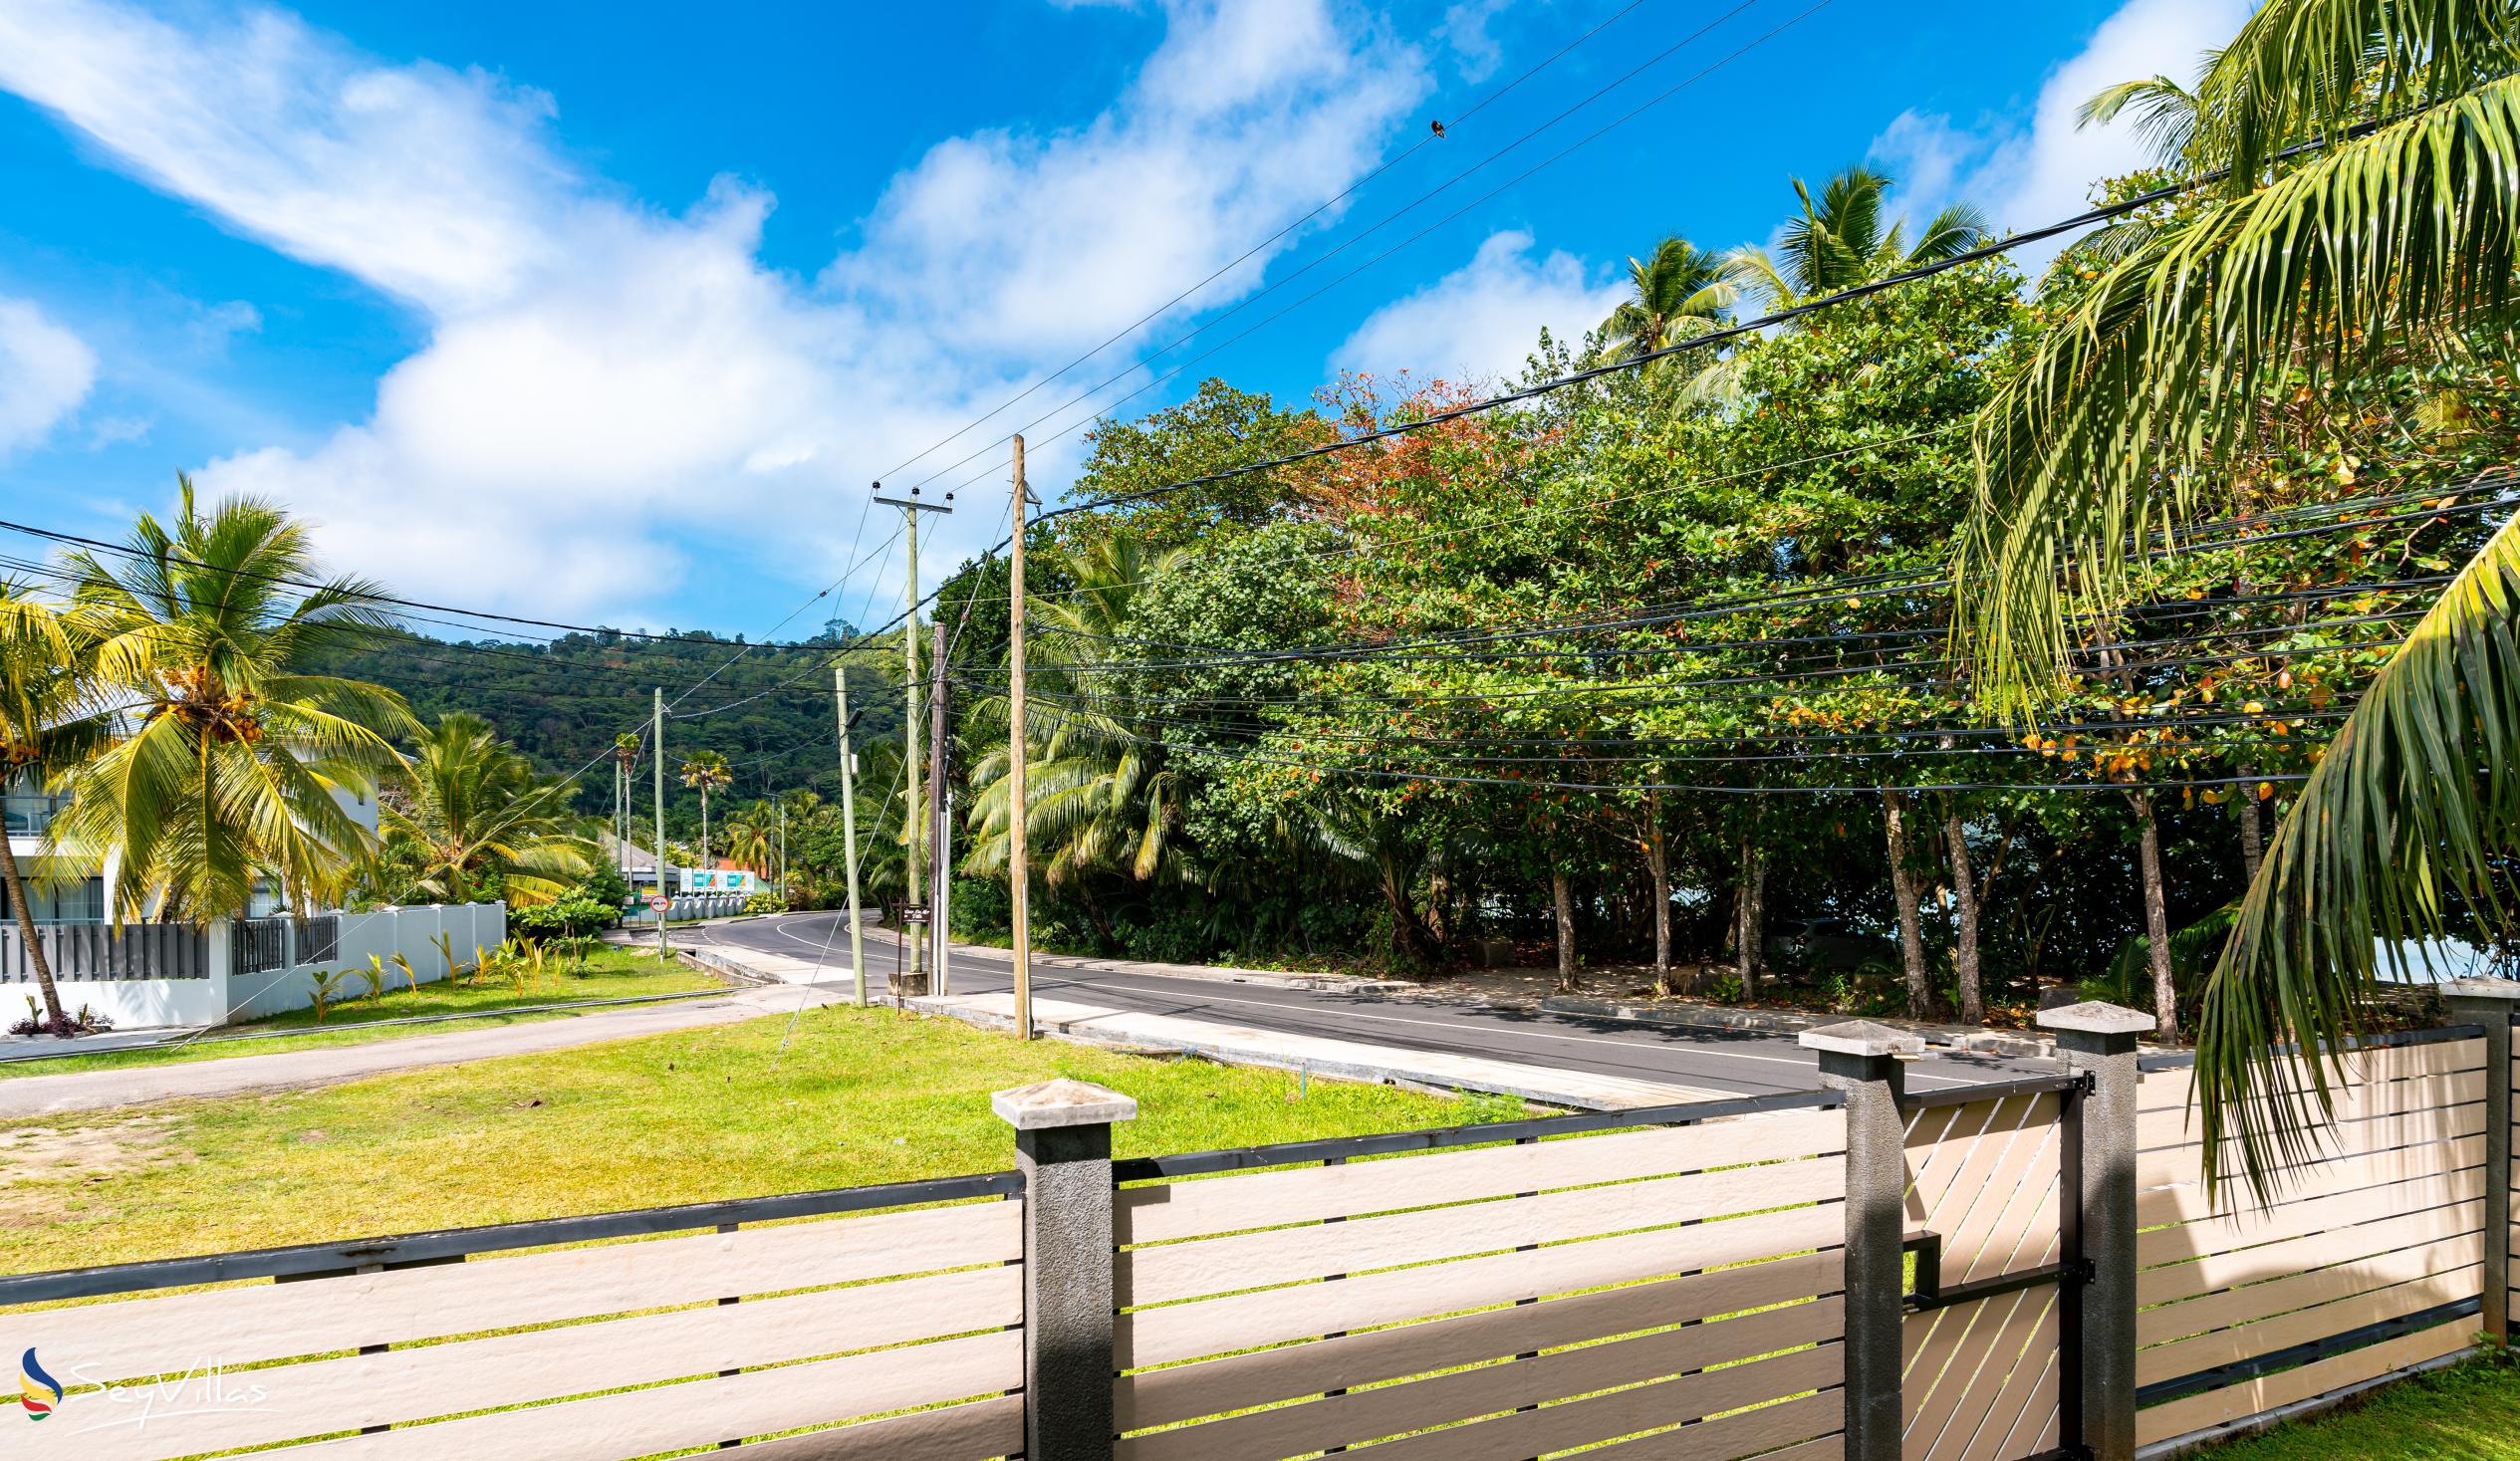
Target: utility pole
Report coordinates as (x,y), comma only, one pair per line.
(657,737)
(1018,870)
(783,850)
(940,880)
(849,828)
(910,508)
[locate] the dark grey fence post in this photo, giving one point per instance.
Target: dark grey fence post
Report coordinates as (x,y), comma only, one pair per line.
(2490,1003)
(2096,1307)
(1062,1149)
(1861,1059)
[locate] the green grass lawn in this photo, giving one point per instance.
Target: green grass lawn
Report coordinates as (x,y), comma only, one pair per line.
(858,1096)
(2470,1412)
(607,974)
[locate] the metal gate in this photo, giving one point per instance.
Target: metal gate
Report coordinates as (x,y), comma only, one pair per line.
(1994,1300)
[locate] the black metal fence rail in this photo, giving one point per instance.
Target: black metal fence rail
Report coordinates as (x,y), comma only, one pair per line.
(454,1245)
(2381,1040)
(100,951)
(318,938)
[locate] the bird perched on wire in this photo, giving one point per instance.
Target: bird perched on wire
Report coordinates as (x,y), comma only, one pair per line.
(1438,128)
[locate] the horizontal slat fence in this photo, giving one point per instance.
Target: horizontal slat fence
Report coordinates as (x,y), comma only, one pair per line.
(1980,1377)
(894,1334)
(2368,1259)
(1673,1289)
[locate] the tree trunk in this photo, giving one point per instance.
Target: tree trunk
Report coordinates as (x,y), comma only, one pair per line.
(1658,861)
(705,863)
(35,958)
(1439,922)
(1563,892)
(1749,917)
(2252,830)
(1964,934)
(2157,918)
(1911,941)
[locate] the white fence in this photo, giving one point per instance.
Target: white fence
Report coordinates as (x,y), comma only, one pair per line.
(225,994)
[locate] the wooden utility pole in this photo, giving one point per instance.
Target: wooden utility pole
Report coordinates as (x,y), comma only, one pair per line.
(940,876)
(1018,871)
(849,829)
(910,508)
(656,735)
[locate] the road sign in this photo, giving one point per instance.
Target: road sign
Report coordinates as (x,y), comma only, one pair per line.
(660,901)
(915,914)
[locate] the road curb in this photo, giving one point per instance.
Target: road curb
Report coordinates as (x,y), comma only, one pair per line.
(1777,1022)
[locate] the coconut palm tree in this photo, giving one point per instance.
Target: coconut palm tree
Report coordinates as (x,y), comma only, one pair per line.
(1098,797)
(752,838)
(709,772)
(469,811)
(50,722)
(2355,166)
(1845,238)
(228,752)
(1680,290)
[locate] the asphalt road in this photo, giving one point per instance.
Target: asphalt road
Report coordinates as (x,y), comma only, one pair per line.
(1748,1063)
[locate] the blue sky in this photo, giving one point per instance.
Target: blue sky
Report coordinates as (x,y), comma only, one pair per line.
(612,312)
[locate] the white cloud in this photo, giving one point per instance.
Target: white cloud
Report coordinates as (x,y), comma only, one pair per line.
(1474,49)
(45,373)
(2026,176)
(601,372)
(1482,319)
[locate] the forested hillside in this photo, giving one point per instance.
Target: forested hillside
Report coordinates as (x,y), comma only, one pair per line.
(561,703)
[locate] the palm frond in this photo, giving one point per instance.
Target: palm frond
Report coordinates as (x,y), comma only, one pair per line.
(2415,804)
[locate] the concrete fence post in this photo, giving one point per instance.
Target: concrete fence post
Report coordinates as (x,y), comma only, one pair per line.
(2096,1308)
(1861,1059)
(2491,1003)
(1062,1149)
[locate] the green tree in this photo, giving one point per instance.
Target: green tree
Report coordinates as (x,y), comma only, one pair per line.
(1680,290)
(231,753)
(2390,245)
(49,723)
(1846,237)
(467,813)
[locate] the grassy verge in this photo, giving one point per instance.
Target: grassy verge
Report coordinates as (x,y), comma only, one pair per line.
(856,1097)
(607,974)
(2469,1412)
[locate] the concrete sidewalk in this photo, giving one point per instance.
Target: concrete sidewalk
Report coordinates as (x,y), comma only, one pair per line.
(25,1096)
(1345,1060)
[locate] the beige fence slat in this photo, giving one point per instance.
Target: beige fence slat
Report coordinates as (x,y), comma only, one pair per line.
(1625,1412)
(2019,1392)
(1958,1360)
(1949,1177)
(703,1413)
(2266,1392)
(1751,1433)
(2190,1201)
(2337,1316)
(955,1433)
(1303,1311)
(2165,1166)
(2170,1283)
(2013,1224)
(1205,1206)
(1212,1387)
(2299,1290)
(2032,1398)
(1390,1410)
(145,1337)
(1288,1255)
(2164,1090)
(353,1391)
(2173,1128)
(2310,1215)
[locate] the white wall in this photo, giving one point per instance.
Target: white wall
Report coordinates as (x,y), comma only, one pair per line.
(226,997)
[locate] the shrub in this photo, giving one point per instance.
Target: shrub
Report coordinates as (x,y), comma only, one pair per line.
(85,1022)
(765,902)
(569,918)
